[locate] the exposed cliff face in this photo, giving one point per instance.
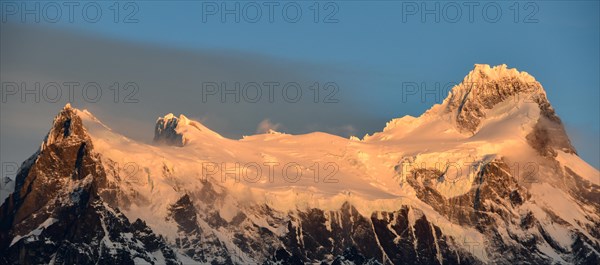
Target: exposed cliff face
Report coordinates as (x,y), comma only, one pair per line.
(485,87)
(314,236)
(165,131)
(56,215)
(89,232)
(192,240)
(62,159)
(179,131)
(497,205)
(399,237)
(7,186)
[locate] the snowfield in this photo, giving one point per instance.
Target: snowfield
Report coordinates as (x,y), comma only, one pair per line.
(320,170)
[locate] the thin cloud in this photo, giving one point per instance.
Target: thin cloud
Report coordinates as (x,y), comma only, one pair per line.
(266,125)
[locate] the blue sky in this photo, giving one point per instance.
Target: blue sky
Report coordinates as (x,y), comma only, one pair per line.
(370,51)
(560,49)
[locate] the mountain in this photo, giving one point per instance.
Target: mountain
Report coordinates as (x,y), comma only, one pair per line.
(487,176)
(7,186)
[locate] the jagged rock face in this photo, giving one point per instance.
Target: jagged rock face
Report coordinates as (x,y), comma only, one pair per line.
(343,236)
(63,158)
(485,87)
(493,207)
(56,214)
(405,236)
(492,183)
(165,133)
(383,237)
(192,240)
(7,186)
(315,236)
(90,232)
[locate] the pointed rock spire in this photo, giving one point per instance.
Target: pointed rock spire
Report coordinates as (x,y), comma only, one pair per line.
(165,131)
(67,126)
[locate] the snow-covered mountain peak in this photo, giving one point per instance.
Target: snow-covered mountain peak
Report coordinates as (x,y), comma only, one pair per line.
(486,73)
(67,126)
(491,104)
(179,131)
(469,103)
(165,131)
(173,118)
(169,116)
